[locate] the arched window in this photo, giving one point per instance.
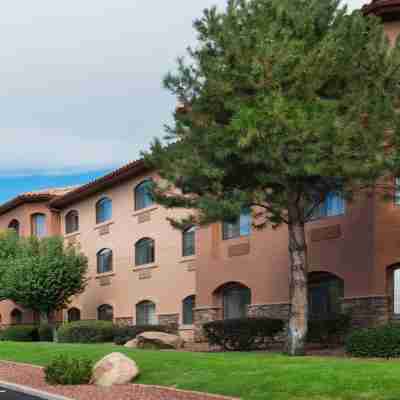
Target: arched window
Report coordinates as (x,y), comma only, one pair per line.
(72,222)
(16,316)
(144,251)
(103,210)
(74,314)
(188,242)
(325,294)
(39,228)
(105,313)
(146,313)
(14,224)
(143,195)
(104,261)
(235,299)
(188,304)
(241,226)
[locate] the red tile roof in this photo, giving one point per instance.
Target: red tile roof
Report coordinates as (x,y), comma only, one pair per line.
(387,9)
(130,170)
(33,197)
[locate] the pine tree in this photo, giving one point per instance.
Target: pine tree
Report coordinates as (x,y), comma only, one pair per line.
(282,103)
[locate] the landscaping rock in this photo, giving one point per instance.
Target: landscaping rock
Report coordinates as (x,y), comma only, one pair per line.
(133,344)
(114,369)
(159,340)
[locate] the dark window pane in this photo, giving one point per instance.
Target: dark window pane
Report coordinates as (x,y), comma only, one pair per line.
(103,210)
(146,313)
(235,301)
(72,222)
(16,317)
(188,242)
(74,315)
(188,305)
(144,252)
(104,261)
(143,195)
(14,224)
(105,313)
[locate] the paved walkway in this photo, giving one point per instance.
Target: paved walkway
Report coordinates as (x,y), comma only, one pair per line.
(33,377)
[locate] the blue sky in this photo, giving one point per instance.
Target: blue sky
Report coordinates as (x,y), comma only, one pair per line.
(80,85)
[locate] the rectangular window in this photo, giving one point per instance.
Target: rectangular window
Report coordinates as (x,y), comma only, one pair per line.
(333,205)
(39,225)
(396,294)
(397,192)
(240,227)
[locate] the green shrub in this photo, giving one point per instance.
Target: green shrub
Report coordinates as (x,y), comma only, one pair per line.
(383,341)
(45,333)
(68,371)
(86,332)
(123,334)
(330,330)
(243,333)
(21,333)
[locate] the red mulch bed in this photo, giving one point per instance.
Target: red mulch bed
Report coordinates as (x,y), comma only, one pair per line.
(33,377)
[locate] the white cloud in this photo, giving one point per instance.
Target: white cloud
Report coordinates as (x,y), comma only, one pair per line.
(80,81)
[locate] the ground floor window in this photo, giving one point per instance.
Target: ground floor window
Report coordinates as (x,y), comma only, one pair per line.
(16,316)
(105,313)
(146,313)
(74,314)
(188,305)
(325,294)
(235,298)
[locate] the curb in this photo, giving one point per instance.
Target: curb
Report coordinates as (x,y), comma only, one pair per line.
(32,392)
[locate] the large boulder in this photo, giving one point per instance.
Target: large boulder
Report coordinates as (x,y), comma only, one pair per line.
(133,344)
(159,340)
(114,369)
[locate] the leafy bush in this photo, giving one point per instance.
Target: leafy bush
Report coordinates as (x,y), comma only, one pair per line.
(68,371)
(242,333)
(123,334)
(383,341)
(21,333)
(330,330)
(86,332)
(45,333)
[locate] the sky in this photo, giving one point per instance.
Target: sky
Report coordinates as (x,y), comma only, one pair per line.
(80,85)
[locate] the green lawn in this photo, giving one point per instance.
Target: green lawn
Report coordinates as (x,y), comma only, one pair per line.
(251,376)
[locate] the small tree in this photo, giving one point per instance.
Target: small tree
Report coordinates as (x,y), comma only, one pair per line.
(40,274)
(283,102)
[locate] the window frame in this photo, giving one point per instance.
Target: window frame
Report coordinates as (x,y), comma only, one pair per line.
(34,225)
(75,223)
(142,198)
(100,254)
(246,300)
(15,225)
(104,306)
(322,211)
(189,301)
(189,249)
(143,316)
(233,229)
(101,216)
(150,252)
(73,310)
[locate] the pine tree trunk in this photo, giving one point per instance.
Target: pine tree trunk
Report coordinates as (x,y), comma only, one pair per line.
(298,293)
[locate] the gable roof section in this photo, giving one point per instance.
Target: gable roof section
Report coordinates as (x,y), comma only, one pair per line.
(130,170)
(389,10)
(33,197)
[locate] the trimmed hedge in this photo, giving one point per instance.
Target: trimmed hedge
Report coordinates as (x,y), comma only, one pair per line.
(21,333)
(330,330)
(86,332)
(243,333)
(123,334)
(45,333)
(68,371)
(383,341)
